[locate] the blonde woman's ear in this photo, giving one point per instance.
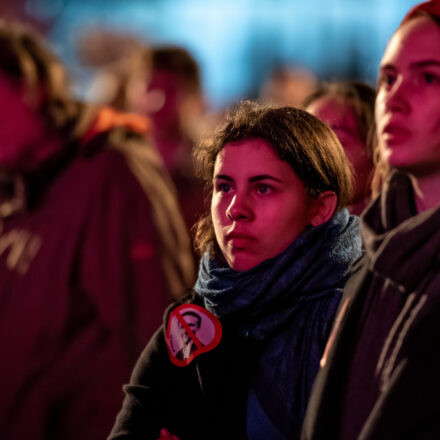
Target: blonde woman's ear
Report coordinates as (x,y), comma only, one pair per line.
(323,208)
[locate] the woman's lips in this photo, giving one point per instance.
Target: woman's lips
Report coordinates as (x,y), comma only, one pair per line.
(239,239)
(395,133)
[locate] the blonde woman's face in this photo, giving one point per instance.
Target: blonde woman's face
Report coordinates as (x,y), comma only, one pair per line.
(408,100)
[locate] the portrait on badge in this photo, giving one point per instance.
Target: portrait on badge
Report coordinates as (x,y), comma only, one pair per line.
(191,330)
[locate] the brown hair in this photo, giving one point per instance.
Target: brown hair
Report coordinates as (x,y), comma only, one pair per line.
(27,61)
(179,62)
(298,138)
(382,168)
(138,64)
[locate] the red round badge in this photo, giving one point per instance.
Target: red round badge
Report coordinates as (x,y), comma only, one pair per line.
(191,331)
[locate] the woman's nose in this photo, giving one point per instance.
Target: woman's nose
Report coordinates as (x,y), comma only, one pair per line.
(397,99)
(239,209)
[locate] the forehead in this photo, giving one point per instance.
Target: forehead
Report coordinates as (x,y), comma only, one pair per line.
(333,109)
(250,155)
(417,40)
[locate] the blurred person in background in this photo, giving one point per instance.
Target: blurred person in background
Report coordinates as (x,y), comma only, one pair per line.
(288,85)
(380,372)
(163,83)
(92,248)
(173,100)
(348,109)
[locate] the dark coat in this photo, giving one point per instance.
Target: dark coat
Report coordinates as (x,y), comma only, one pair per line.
(269,349)
(204,400)
(82,287)
(403,256)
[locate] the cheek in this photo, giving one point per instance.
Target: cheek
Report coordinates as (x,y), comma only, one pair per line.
(429,113)
(437,127)
(434,136)
(217,213)
(425,127)
(379,108)
(284,230)
(288,222)
(357,155)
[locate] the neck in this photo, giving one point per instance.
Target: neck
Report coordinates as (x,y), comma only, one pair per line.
(427,191)
(170,146)
(358,206)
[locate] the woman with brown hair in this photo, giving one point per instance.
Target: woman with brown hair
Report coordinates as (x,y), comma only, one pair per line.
(275,246)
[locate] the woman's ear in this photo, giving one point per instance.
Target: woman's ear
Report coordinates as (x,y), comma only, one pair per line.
(323,207)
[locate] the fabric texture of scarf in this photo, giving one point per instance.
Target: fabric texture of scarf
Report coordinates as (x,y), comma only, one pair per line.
(264,297)
(288,304)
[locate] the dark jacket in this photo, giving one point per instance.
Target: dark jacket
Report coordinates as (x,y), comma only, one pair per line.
(401,262)
(204,400)
(275,317)
(82,284)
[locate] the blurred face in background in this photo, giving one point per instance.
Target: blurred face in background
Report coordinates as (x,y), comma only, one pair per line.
(25,140)
(20,126)
(408,100)
(162,99)
(259,206)
(340,115)
(175,112)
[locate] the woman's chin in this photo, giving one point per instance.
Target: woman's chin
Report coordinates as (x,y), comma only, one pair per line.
(242,263)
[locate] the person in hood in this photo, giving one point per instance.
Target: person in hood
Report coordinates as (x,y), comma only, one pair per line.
(276,246)
(379,376)
(92,249)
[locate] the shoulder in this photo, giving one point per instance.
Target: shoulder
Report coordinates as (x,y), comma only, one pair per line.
(102,170)
(156,353)
(189,299)
(117,146)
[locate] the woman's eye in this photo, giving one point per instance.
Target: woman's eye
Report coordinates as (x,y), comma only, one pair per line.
(223,187)
(386,79)
(430,78)
(263,189)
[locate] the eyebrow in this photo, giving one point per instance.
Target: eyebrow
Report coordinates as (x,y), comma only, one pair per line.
(425,63)
(414,65)
(252,179)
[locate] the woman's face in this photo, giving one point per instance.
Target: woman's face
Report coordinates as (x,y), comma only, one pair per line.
(23,132)
(408,100)
(340,116)
(259,206)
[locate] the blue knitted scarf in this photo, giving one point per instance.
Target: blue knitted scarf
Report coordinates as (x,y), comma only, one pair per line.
(288,303)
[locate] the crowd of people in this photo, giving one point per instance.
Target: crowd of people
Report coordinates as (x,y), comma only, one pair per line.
(269,273)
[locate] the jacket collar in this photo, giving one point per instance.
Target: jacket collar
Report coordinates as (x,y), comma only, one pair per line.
(401,244)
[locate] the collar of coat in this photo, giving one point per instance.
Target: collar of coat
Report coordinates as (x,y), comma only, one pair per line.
(401,244)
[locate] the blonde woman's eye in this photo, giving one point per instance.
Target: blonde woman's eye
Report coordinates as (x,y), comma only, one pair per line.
(224,187)
(430,78)
(386,79)
(263,189)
